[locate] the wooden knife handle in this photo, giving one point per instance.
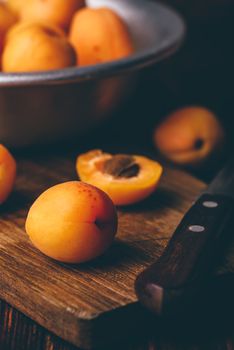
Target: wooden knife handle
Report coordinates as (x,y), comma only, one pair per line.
(191,253)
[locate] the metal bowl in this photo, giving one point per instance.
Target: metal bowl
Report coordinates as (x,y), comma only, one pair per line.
(37,108)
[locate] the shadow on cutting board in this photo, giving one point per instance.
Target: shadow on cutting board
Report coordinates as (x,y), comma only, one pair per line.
(208,321)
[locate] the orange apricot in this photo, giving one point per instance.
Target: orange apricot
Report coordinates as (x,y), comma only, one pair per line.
(25,25)
(7,19)
(36,47)
(17,5)
(72,222)
(126,179)
(7,173)
(99,35)
(58,12)
(189,135)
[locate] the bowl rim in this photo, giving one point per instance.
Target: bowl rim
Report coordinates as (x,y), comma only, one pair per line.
(136,61)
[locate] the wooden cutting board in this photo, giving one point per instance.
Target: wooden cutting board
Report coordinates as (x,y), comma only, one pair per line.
(92,303)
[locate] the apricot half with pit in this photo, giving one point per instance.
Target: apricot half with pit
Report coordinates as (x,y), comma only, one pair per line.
(72,222)
(99,35)
(126,179)
(7,173)
(33,47)
(189,135)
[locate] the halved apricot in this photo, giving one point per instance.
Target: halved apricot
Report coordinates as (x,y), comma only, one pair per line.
(127,179)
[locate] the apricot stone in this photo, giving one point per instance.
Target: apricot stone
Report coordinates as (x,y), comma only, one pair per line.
(7,19)
(58,12)
(99,35)
(36,47)
(7,173)
(189,136)
(72,222)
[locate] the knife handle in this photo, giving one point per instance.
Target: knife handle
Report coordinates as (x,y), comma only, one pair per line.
(191,253)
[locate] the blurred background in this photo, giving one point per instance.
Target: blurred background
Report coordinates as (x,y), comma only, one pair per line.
(200,73)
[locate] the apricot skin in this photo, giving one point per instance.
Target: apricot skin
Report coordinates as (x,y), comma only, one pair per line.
(189,136)
(99,35)
(7,173)
(7,19)
(58,12)
(33,47)
(17,5)
(72,222)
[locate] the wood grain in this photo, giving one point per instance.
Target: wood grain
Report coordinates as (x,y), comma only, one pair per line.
(83,304)
(17,332)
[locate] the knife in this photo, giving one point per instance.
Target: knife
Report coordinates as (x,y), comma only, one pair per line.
(168,285)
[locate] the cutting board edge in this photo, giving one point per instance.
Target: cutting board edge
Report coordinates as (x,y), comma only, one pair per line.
(34,301)
(101,326)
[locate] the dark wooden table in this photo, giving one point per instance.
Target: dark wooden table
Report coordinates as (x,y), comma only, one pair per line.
(19,332)
(201,73)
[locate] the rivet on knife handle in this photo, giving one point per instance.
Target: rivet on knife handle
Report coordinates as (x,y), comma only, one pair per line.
(189,256)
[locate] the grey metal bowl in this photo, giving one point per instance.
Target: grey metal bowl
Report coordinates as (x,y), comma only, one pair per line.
(37,108)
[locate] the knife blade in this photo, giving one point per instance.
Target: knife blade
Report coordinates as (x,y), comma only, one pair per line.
(193,251)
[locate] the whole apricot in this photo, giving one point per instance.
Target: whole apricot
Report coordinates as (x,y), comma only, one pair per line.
(72,222)
(17,5)
(127,179)
(189,135)
(7,173)
(21,26)
(99,35)
(36,47)
(7,19)
(58,12)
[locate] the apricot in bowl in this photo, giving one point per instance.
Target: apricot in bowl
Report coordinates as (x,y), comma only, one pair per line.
(126,179)
(90,93)
(34,47)
(7,20)
(57,12)
(7,173)
(17,5)
(99,35)
(189,136)
(72,222)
